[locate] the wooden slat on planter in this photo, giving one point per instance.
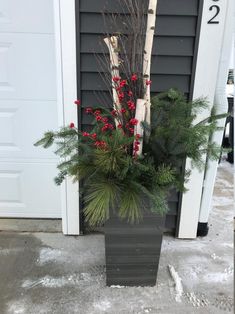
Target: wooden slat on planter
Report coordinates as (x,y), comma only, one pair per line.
(133,251)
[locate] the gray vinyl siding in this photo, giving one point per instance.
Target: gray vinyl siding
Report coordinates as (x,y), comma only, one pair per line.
(173,59)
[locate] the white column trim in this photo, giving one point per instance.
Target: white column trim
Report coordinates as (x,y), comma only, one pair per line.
(209,52)
(221,103)
(65,33)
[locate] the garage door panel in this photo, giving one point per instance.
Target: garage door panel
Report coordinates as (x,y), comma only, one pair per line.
(24,61)
(24,189)
(22,123)
(28,108)
(26,16)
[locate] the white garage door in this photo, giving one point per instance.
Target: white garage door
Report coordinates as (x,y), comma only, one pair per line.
(27,108)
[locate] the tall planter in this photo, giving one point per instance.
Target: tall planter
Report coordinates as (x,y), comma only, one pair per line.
(133,251)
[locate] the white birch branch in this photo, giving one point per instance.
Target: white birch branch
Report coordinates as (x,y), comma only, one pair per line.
(112,44)
(140,115)
(151,22)
(145,103)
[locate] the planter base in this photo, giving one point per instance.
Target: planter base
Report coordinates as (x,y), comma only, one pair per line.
(133,251)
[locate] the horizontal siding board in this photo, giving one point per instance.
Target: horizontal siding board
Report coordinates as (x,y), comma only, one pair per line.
(176,26)
(173,195)
(94,98)
(171,221)
(94,6)
(183,46)
(93,81)
(165,26)
(178,7)
(173,46)
(91,63)
(171,65)
(94,23)
(160,64)
(173,207)
(169,7)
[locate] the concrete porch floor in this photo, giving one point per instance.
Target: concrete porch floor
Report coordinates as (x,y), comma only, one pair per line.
(48,273)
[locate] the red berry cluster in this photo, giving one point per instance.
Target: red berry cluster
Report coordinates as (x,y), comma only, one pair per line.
(124,116)
(89,110)
(131,105)
(127,102)
(133,121)
(101,144)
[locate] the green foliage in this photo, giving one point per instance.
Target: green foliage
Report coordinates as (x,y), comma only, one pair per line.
(175,135)
(99,198)
(47,140)
(114,179)
(131,202)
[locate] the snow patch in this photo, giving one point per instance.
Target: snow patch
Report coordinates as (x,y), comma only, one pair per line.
(24,305)
(215,257)
(117,287)
(221,201)
(226,165)
(48,255)
(53,282)
(196,301)
(6,252)
(16,309)
(178,283)
(103,305)
(183,245)
(217,277)
(222,183)
(228,245)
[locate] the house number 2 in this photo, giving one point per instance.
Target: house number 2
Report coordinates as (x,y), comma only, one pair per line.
(216,10)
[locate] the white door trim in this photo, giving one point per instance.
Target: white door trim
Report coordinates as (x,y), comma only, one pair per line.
(65,33)
(209,52)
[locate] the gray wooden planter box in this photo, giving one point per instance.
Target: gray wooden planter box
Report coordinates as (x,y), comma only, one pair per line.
(133,251)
